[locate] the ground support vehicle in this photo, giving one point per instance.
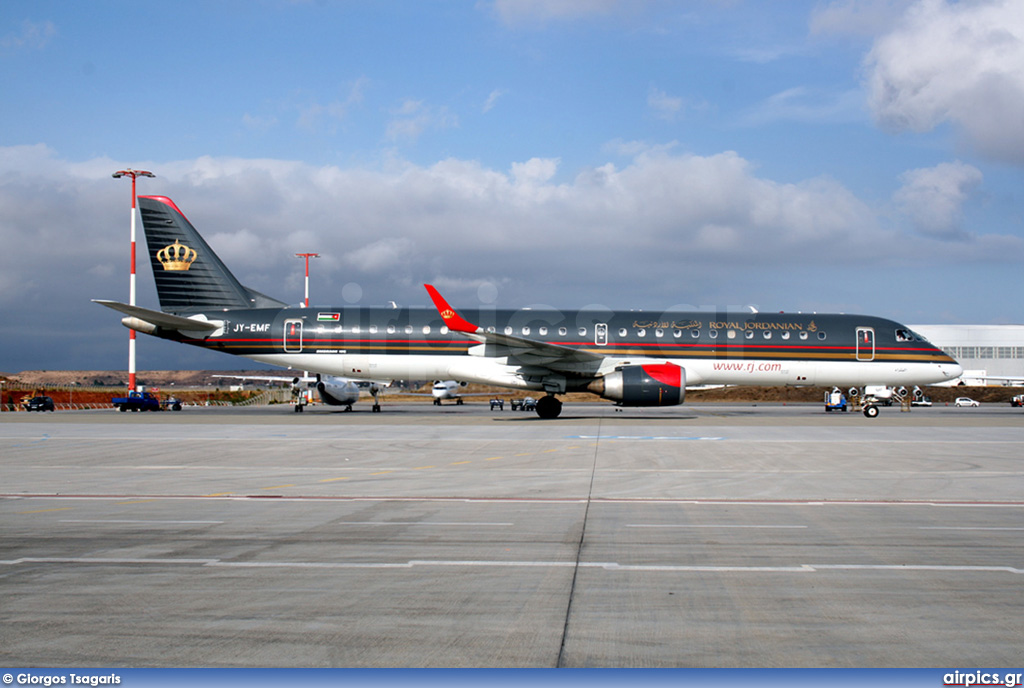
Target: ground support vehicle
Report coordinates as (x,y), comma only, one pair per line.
(141,401)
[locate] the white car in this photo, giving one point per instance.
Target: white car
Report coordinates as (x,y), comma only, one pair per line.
(966,401)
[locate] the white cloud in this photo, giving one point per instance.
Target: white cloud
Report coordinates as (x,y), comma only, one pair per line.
(662,228)
(857,17)
(801,104)
(933,197)
(492,99)
(520,11)
(663,105)
(961,63)
(413,117)
(32,36)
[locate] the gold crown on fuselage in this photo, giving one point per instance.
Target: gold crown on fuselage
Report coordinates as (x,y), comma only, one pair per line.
(176,256)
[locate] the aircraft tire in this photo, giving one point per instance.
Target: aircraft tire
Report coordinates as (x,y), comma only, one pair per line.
(871,411)
(548,407)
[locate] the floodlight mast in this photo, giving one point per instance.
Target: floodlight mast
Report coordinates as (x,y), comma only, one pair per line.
(133,174)
(307,256)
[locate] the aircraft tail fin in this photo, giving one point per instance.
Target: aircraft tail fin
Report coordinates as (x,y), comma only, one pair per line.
(189,275)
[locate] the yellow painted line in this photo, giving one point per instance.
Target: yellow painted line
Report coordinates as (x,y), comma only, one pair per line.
(493,458)
(277,487)
(382,473)
(524,454)
(331,480)
(218,494)
(459,463)
(420,468)
(548,451)
(43,511)
(137,501)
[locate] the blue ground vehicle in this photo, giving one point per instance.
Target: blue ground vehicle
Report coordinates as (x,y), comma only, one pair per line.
(835,401)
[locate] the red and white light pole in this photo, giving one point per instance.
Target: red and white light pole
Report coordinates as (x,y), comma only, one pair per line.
(131,283)
(307,256)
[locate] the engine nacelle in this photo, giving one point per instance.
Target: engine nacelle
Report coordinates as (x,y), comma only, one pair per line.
(655,384)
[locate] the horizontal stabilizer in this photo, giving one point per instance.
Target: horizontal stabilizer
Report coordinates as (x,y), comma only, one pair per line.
(165,320)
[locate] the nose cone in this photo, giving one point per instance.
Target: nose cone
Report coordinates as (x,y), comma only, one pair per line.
(952,370)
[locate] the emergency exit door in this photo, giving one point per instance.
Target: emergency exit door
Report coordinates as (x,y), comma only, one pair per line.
(865,344)
(293,336)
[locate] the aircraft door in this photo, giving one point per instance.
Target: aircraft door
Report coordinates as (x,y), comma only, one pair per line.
(601,334)
(293,336)
(865,344)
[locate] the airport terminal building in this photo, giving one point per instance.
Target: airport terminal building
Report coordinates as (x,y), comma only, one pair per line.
(982,350)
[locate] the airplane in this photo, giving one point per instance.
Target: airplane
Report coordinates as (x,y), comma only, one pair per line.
(443,390)
(632,358)
(333,390)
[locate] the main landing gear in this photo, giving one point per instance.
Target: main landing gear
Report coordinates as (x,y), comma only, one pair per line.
(549,407)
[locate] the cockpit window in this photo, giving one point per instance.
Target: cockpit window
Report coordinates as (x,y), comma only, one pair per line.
(906,335)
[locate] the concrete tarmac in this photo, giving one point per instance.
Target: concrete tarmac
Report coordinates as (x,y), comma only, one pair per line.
(695,536)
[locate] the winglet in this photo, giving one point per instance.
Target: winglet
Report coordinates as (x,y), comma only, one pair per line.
(453,320)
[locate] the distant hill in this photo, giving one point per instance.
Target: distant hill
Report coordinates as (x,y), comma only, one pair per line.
(116,378)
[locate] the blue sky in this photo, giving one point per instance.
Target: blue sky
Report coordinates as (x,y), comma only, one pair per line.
(845,155)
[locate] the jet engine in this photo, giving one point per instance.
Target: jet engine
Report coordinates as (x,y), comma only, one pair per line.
(656,384)
(335,392)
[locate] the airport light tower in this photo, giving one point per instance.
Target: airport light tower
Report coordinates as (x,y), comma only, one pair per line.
(129,172)
(307,256)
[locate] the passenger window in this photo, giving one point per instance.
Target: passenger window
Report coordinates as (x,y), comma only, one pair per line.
(373,329)
(542,331)
(749,334)
(785,335)
(731,334)
(562,331)
(583,332)
(803,335)
(391,329)
(508,330)
(408,329)
(641,333)
(767,334)
(713,334)
(622,331)
(526,331)
(444,329)
(426,329)
(695,334)
(659,333)
(821,336)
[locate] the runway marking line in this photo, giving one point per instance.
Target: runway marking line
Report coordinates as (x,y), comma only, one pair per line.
(493,458)
(331,480)
(610,566)
(382,472)
(276,487)
(43,511)
(423,468)
(459,463)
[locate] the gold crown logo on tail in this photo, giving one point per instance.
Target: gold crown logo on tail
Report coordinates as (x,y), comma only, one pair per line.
(176,257)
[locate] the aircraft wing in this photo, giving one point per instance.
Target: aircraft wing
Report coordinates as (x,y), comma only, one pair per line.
(521,350)
(161,319)
(269,378)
